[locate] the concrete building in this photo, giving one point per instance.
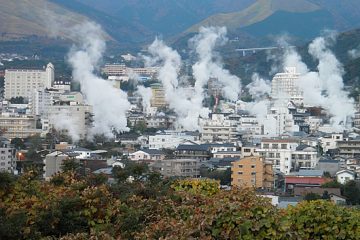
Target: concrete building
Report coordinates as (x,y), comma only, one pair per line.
(329,165)
(349,148)
(7,156)
(157,95)
(70,115)
(177,167)
(252,171)
(330,141)
(53,162)
(284,85)
(304,157)
(171,139)
(42,100)
(279,152)
(22,82)
(18,126)
(121,69)
(218,129)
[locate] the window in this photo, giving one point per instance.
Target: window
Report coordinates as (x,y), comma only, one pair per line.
(253,166)
(240,166)
(253,173)
(283,146)
(240,173)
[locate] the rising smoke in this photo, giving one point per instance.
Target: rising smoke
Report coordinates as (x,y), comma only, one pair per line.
(324,88)
(109,104)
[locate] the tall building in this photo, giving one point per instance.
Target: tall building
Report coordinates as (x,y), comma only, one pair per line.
(70,115)
(252,171)
(22,82)
(18,126)
(158,95)
(285,85)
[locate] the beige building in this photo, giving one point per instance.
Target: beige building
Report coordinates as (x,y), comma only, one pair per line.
(23,82)
(252,171)
(17,126)
(177,167)
(121,69)
(158,95)
(218,128)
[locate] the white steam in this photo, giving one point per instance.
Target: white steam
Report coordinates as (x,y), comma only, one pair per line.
(187,109)
(63,121)
(208,67)
(109,104)
(146,95)
(324,88)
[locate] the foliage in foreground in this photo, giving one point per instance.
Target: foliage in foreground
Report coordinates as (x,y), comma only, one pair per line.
(69,207)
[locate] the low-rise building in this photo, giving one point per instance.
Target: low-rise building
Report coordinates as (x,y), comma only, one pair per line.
(345,176)
(218,129)
(252,171)
(177,167)
(147,155)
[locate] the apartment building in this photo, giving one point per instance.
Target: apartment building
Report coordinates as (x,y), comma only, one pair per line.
(349,148)
(158,95)
(253,171)
(7,156)
(171,139)
(218,128)
(14,125)
(177,167)
(278,151)
(121,69)
(284,85)
(22,82)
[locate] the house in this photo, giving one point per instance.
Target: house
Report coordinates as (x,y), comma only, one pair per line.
(197,151)
(337,199)
(344,176)
(219,163)
(252,171)
(302,191)
(147,155)
(305,178)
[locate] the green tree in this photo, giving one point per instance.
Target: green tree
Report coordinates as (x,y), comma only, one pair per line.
(18,143)
(312,197)
(352,193)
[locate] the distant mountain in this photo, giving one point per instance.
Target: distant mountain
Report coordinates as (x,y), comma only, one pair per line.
(19,18)
(301,19)
(166,17)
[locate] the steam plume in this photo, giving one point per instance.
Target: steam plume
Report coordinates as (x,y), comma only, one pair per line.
(109,104)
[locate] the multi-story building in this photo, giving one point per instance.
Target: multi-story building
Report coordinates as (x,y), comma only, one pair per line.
(330,141)
(171,139)
(122,70)
(279,152)
(42,100)
(253,171)
(70,115)
(158,95)
(53,163)
(349,148)
(22,82)
(284,85)
(177,167)
(304,157)
(7,156)
(18,126)
(218,128)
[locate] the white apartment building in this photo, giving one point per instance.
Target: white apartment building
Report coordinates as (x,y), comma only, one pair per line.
(330,142)
(284,85)
(7,156)
(170,139)
(22,82)
(279,120)
(42,100)
(218,128)
(250,124)
(279,151)
(121,69)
